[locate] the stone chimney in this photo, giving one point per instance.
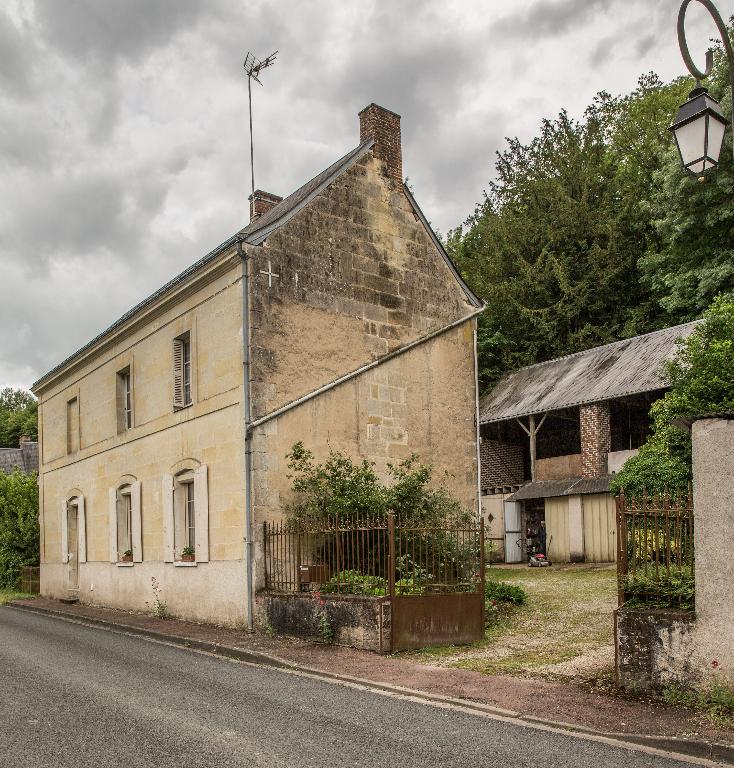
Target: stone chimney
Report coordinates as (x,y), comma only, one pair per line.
(24,439)
(261,202)
(383,126)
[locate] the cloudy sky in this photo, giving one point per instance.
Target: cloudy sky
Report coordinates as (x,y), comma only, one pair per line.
(124,150)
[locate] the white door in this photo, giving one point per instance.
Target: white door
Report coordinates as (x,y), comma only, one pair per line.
(513,532)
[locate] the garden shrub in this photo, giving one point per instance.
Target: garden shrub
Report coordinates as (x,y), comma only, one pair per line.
(19,532)
(502,592)
(646,589)
(355,583)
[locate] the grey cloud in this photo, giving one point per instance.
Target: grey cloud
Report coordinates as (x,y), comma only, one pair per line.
(16,59)
(544,18)
(108,30)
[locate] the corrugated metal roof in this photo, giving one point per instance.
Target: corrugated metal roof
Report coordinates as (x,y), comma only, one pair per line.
(622,368)
(572,486)
(24,458)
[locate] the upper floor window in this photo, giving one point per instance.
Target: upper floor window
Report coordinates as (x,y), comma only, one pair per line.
(182,371)
(72,425)
(124,400)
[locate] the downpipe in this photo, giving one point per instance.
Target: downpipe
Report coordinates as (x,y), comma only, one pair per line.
(247,425)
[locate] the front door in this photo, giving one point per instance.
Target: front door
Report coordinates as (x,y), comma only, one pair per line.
(72,524)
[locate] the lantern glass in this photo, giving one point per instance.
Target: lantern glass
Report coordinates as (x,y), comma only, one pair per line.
(699,132)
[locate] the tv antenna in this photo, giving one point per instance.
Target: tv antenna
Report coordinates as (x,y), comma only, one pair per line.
(253,67)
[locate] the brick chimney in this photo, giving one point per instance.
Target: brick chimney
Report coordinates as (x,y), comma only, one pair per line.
(261,202)
(595,439)
(383,126)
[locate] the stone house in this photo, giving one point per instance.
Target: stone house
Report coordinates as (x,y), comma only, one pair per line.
(24,457)
(552,436)
(335,317)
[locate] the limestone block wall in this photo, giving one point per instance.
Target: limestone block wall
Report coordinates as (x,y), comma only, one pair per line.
(208,432)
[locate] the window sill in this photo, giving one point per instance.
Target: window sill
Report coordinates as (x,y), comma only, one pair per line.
(125,565)
(181,564)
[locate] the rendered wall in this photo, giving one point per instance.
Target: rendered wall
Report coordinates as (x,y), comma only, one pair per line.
(208,432)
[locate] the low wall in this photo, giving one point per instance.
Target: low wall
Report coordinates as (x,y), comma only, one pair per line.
(356,620)
(653,647)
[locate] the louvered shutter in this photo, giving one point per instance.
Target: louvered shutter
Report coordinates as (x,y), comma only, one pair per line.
(136,523)
(167,498)
(64,532)
(113,524)
(82,526)
(201,512)
(178,373)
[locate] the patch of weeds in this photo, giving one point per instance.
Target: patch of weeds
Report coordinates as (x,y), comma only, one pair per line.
(647,589)
(716,701)
(502,592)
(326,631)
(269,629)
(159,609)
(7,595)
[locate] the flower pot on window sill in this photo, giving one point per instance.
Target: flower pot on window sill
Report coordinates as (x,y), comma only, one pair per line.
(188,558)
(126,558)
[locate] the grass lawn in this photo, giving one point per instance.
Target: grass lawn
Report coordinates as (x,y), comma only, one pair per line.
(6,595)
(565,631)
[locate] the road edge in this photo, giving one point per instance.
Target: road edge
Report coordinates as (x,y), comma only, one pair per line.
(684,747)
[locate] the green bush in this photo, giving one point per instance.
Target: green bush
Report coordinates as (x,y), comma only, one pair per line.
(502,592)
(646,589)
(355,583)
(19,533)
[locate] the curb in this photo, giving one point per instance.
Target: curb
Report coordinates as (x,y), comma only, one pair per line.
(720,753)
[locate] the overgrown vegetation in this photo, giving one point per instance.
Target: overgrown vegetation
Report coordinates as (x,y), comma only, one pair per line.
(18,417)
(355,583)
(339,487)
(701,378)
(503,592)
(717,700)
(648,589)
(19,532)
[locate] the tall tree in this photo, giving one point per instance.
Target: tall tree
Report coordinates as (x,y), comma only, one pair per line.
(18,416)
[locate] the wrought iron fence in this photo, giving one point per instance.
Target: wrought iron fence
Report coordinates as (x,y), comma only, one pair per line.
(373,556)
(30,580)
(655,555)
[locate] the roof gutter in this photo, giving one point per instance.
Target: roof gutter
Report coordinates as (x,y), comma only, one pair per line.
(359,371)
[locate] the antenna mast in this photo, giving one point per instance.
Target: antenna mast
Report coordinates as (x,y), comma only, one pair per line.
(253,67)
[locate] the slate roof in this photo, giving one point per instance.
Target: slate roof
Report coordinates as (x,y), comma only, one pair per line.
(572,486)
(256,232)
(25,458)
(614,370)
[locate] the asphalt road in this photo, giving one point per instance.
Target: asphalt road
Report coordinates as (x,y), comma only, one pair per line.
(78,696)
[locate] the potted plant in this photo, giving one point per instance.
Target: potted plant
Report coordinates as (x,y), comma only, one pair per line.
(188,555)
(126,556)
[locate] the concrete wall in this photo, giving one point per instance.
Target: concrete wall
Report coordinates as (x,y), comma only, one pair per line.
(357,621)
(208,432)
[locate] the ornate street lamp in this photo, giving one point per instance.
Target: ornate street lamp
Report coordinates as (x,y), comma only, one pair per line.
(699,124)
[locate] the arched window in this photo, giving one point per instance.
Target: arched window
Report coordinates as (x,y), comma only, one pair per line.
(125,522)
(186,515)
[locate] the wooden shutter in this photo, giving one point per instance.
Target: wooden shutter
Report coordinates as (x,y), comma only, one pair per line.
(64,532)
(136,523)
(113,524)
(178,373)
(168,522)
(82,527)
(201,512)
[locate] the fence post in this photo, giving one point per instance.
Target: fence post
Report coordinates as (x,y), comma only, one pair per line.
(391,553)
(621,546)
(266,559)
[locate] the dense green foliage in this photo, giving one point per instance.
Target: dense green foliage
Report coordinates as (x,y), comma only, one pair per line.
(353,491)
(355,583)
(701,377)
(592,232)
(651,589)
(19,533)
(503,592)
(18,417)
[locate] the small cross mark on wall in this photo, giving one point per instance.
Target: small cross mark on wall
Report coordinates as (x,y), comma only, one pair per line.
(270,274)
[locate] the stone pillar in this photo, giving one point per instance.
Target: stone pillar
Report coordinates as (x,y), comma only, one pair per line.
(713,503)
(595,439)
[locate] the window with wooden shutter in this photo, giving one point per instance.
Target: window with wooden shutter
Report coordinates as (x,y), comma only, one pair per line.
(178,373)
(182,364)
